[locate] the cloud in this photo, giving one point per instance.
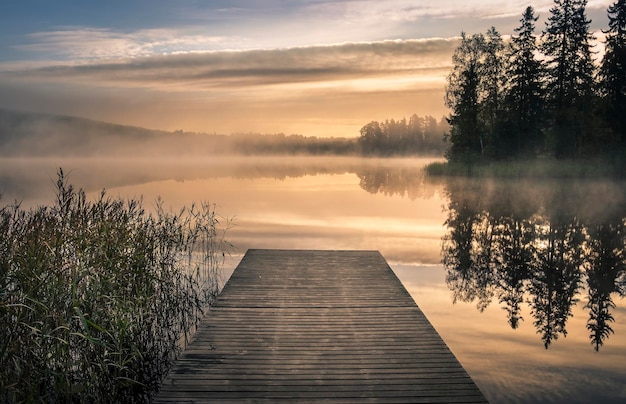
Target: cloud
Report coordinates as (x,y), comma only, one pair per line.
(314,90)
(87,43)
(199,27)
(368,11)
(319,67)
(259,67)
(410,10)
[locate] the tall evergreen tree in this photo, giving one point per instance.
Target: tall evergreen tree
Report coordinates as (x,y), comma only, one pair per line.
(613,72)
(467,135)
(570,76)
(492,85)
(524,96)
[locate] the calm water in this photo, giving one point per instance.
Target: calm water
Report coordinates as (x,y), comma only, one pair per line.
(522,280)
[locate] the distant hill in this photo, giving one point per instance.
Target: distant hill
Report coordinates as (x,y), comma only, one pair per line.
(36,134)
(29,134)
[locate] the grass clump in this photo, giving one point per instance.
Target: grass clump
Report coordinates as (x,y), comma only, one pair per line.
(97,298)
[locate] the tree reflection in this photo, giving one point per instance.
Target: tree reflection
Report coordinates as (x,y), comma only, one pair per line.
(543,246)
(606,274)
(514,262)
(555,278)
(467,248)
(390,180)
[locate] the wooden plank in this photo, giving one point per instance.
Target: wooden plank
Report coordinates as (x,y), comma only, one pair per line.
(331,326)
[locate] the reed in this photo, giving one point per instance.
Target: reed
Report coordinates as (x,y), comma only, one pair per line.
(97,298)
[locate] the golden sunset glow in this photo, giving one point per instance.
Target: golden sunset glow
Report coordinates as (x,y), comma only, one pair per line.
(314,67)
(147,146)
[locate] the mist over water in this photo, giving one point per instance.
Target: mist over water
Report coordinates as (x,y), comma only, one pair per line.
(447,240)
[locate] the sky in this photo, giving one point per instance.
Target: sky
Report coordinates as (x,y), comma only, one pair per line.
(312,67)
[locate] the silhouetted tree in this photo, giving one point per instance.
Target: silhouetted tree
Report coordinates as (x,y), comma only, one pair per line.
(524,96)
(613,76)
(417,127)
(492,80)
(397,136)
(391,137)
(570,76)
(372,138)
(433,133)
(467,133)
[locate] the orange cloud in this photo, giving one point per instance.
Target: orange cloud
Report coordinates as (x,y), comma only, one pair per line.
(315,90)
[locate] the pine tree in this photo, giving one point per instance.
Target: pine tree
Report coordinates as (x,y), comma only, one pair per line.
(524,89)
(467,136)
(570,76)
(493,77)
(613,72)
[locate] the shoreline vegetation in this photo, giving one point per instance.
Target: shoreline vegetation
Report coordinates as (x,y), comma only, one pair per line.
(533,97)
(98,298)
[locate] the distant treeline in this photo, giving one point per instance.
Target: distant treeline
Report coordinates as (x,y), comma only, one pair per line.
(540,96)
(25,134)
(418,135)
(254,143)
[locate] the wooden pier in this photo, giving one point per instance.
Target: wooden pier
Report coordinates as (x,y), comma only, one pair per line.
(308,326)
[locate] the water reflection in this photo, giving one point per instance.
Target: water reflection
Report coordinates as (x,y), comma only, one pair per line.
(389,205)
(402,180)
(27,178)
(277,202)
(547,244)
(31,178)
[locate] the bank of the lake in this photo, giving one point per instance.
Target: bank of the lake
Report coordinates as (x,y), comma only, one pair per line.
(97,298)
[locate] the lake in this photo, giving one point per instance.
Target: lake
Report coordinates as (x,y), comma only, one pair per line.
(523,279)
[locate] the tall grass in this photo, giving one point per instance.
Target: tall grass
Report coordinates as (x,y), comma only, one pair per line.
(96,298)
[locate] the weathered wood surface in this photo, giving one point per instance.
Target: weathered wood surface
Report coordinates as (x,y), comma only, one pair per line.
(329,326)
